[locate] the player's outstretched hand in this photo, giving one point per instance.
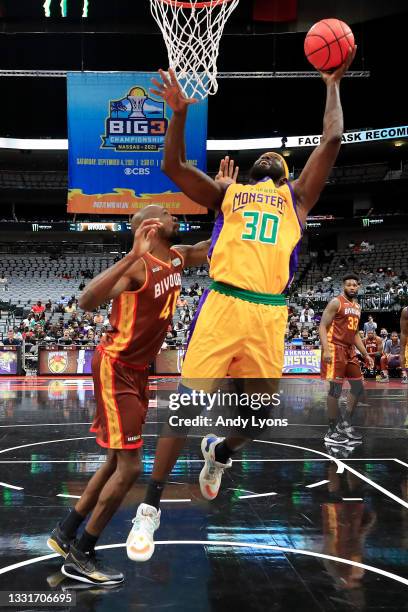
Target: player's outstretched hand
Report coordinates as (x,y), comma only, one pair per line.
(337,75)
(145,237)
(228,172)
(169,89)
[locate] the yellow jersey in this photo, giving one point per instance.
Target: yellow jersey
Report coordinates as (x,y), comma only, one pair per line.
(256,238)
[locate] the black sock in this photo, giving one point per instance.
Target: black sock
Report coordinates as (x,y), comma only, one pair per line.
(71,523)
(87,542)
(154,492)
(223,453)
(332,424)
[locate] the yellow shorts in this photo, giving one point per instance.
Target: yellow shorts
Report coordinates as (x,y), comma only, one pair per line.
(238,338)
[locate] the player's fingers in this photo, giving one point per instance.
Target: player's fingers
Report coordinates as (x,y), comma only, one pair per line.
(231,168)
(164,78)
(235,177)
(156,92)
(191,100)
(157,83)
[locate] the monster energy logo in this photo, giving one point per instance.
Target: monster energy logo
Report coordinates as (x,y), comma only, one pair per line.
(368,222)
(64,8)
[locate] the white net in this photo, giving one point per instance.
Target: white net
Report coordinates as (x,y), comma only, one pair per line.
(192,32)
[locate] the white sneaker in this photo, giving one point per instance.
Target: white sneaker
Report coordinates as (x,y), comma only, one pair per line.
(404,380)
(211,474)
(140,542)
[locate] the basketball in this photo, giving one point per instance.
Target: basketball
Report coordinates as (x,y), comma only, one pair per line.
(327,44)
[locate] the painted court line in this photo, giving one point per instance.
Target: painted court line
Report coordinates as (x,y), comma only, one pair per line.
(205,543)
(175,501)
(317,484)
(401,462)
(71,496)
(350,469)
(352,499)
(9,486)
(256,495)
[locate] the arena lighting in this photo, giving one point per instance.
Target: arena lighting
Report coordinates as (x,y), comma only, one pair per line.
(64,9)
(363,136)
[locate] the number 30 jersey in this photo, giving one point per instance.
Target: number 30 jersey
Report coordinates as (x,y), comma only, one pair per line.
(256,238)
(345,323)
(139,319)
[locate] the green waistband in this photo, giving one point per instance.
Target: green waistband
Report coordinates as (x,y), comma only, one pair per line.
(270,299)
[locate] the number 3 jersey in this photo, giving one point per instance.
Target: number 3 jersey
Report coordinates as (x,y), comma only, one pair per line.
(139,319)
(345,323)
(256,238)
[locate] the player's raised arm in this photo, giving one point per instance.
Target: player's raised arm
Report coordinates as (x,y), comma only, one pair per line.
(112,282)
(404,337)
(194,183)
(319,165)
(195,254)
(327,319)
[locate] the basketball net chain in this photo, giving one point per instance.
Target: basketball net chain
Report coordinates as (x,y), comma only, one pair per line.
(192,36)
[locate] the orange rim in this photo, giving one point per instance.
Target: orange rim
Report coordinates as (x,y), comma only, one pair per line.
(193,4)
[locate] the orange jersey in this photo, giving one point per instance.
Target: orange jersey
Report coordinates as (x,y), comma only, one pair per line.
(140,319)
(345,323)
(371,345)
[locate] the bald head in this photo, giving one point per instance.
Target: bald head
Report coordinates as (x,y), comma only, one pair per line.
(150,212)
(169,230)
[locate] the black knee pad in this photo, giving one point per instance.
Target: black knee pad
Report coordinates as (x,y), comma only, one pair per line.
(356,387)
(335,389)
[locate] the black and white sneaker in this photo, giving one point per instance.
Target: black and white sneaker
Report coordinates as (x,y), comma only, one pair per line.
(86,567)
(348,430)
(342,451)
(59,542)
(335,437)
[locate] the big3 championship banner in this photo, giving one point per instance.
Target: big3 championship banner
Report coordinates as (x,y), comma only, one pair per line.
(116,131)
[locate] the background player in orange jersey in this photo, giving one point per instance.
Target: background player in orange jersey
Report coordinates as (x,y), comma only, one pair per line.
(144,287)
(339,336)
(374,346)
(404,344)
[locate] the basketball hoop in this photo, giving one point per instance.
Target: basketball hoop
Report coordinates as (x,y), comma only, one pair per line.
(192,32)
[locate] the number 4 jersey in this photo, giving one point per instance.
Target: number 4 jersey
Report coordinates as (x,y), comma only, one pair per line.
(256,238)
(345,323)
(140,319)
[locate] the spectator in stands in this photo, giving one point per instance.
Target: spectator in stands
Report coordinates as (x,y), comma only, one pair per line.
(11,340)
(38,308)
(98,318)
(307,314)
(81,286)
(26,321)
(370,325)
(179,326)
(18,333)
(181,302)
(384,337)
(66,339)
(48,306)
(186,315)
(90,339)
(374,346)
(391,357)
(70,307)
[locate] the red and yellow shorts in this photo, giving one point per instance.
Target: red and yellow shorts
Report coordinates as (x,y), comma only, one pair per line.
(344,364)
(121,394)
